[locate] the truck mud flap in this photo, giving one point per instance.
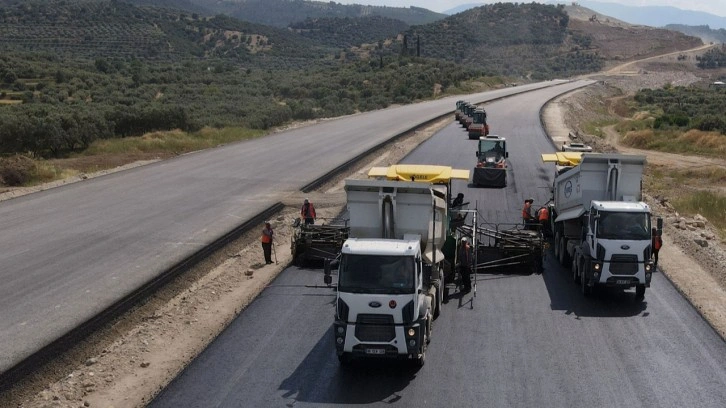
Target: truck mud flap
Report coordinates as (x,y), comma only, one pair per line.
(489,177)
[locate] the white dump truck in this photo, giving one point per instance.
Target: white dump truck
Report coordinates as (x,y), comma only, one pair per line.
(602,229)
(390,273)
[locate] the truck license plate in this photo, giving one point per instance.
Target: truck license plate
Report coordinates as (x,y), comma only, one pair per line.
(622,282)
(375,351)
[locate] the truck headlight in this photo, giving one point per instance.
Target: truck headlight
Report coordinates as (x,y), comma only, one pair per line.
(411,332)
(339,340)
(412,343)
(648,267)
(341,330)
(596,267)
(596,275)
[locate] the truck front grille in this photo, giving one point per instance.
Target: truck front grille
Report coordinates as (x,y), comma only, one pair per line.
(624,264)
(373,327)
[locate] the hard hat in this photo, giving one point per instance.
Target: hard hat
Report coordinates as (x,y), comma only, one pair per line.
(465,239)
(267,222)
(531,200)
(306,201)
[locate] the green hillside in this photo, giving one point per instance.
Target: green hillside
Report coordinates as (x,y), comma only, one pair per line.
(349,32)
(508,38)
(117,29)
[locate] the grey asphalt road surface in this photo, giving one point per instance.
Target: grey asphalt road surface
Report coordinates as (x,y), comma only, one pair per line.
(528,341)
(70,252)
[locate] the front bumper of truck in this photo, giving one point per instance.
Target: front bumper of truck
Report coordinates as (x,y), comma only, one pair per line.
(379,339)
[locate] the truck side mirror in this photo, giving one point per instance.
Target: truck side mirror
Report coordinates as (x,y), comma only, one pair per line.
(506,154)
(327,278)
(476,154)
(659,223)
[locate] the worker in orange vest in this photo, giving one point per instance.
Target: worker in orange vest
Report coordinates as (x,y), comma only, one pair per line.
(267,234)
(543,216)
(656,244)
(307,212)
(527,216)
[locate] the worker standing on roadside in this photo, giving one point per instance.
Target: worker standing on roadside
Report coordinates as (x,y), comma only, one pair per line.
(267,234)
(307,212)
(465,264)
(527,216)
(656,243)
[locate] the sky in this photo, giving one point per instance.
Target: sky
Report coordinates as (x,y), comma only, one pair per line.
(717,7)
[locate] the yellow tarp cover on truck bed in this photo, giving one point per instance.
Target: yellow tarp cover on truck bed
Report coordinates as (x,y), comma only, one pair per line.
(563,158)
(419,172)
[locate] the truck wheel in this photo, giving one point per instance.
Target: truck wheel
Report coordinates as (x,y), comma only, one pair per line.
(586,290)
(564,256)
(345,359)
(439,297)
(422,359)
(640,291)
(557,246)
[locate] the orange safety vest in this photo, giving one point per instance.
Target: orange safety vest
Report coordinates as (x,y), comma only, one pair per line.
(658,242)
(266,238)
(544,214)
(310,212)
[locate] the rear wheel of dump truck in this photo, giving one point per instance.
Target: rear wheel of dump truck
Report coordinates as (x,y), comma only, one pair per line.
(564,257)
(421,360)
(640,292)
(557,246)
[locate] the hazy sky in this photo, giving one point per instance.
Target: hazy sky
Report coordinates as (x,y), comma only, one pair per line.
(717,7)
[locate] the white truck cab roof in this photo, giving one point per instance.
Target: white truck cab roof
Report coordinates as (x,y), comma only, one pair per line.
(380,246)
(621,206)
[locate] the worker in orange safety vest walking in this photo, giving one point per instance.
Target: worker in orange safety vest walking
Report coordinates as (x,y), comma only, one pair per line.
(543,216)
(267,234)
(307,212)
(656,244)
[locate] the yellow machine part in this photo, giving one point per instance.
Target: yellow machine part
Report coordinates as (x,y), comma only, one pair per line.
(563,158)
(419,172)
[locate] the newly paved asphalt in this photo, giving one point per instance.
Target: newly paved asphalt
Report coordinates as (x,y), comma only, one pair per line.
(528,341)
(70,252)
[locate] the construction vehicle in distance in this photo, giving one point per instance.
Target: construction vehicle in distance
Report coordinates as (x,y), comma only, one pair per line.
(602,229)
(391,269)
(491,166)
(459,106)
(465,107)
(469,115)
(576,147)
(317,242)
(478,126)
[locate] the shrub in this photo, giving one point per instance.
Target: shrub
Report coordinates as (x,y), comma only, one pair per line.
(16,170)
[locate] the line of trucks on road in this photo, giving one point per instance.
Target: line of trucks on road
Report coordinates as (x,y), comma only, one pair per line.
(402,247)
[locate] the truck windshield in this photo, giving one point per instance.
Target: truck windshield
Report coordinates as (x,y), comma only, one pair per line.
(376,274)
(623,225)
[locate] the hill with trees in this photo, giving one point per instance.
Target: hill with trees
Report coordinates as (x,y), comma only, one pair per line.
(349,32)
(704,32)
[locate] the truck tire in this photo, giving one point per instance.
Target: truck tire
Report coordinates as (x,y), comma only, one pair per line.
(586,290)
(557,246)
(345,359)
(439,297)
(422,359)
(640,292)
(564,256)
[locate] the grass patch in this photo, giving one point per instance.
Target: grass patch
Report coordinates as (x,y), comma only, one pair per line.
(174,142)
(709,204)
(595,127)
(110,153)
(711,144)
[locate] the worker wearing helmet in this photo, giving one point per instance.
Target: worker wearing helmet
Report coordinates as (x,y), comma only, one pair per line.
(267,234)
(527,216)
(465,261)
(307,212)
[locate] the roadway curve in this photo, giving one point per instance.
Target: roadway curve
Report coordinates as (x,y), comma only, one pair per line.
(529,340)
(71,252)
